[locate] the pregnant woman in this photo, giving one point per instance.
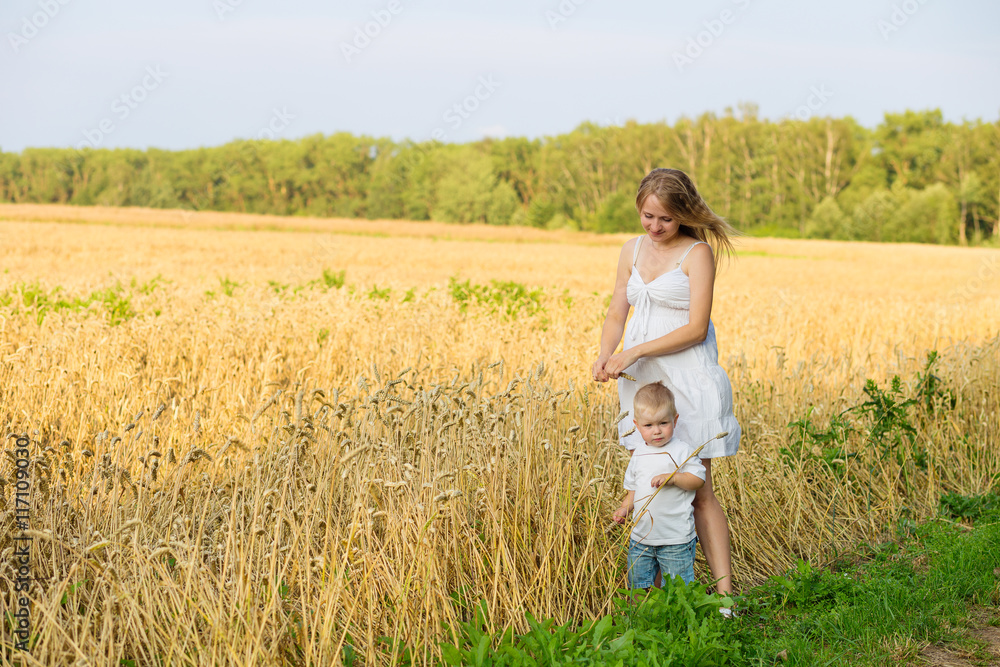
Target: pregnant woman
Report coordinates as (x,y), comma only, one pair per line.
(668,277)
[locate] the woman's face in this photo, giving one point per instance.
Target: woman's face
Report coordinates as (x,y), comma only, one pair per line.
(659,224)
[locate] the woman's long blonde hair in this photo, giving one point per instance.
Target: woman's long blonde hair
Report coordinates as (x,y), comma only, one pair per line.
(680,198)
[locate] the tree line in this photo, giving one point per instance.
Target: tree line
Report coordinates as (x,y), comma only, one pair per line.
(914,177)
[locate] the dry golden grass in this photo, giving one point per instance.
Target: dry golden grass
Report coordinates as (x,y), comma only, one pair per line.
(372,470)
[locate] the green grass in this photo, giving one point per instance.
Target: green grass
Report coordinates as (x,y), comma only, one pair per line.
(875,610)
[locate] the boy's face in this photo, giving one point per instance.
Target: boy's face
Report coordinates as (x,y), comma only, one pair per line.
(657,427)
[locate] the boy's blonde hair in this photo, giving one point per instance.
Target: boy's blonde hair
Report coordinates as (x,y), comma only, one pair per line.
(651,397)
(680,197)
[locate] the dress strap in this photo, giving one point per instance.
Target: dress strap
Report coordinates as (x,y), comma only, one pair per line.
(684,256)
(635,251)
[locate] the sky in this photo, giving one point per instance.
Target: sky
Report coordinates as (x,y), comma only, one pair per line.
(190,73)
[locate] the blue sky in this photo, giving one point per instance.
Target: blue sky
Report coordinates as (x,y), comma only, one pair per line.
(203,72)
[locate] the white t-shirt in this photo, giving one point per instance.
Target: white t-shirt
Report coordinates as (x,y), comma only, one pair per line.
(669,517)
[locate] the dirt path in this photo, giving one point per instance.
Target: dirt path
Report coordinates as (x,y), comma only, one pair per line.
(981,631)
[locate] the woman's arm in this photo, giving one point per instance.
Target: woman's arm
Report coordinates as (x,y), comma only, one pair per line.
(614,323)
(701,276)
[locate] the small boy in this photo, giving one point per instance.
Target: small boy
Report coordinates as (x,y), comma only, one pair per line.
(663,538)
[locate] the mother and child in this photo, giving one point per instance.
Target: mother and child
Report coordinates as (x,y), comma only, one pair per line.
(680,397)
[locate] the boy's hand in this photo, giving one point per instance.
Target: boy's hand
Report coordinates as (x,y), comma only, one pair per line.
(660,480)
(620,514)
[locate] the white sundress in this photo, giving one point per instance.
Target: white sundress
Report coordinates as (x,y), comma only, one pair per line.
(701,388)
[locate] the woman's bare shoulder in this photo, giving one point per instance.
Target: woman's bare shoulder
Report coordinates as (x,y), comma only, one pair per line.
(629,247)
(700,248)
(699,255)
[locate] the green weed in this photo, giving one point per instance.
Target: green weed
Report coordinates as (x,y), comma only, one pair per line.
(886,420)
(828,446)
(506,297)
(228,286)
(930,387)
(117,304)
(277,287)
(972,507)
(678,624)
(150,285)
(116,301)
(380,294)
(334,279)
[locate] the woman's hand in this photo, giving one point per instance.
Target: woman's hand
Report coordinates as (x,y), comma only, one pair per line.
(597,370)
(619,362)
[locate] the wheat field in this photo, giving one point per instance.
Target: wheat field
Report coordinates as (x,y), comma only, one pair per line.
(261,440)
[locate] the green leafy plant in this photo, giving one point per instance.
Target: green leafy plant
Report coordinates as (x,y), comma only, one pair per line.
(228,286)
(890,430)
(117,304)
(334,279)
(930,387)
(969,507)
(150,285)
(506,297)
(381,294)
(277,287)
(807,587)
(828,446)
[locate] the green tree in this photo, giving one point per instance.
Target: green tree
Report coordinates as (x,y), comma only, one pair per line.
(827,221)
(779,178)
(910,145)
(503,203)
(540,211)
(869,216)
(922,216)
(463,193)
(617,214)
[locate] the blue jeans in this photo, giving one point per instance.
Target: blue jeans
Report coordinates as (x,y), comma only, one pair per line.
(645,560)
